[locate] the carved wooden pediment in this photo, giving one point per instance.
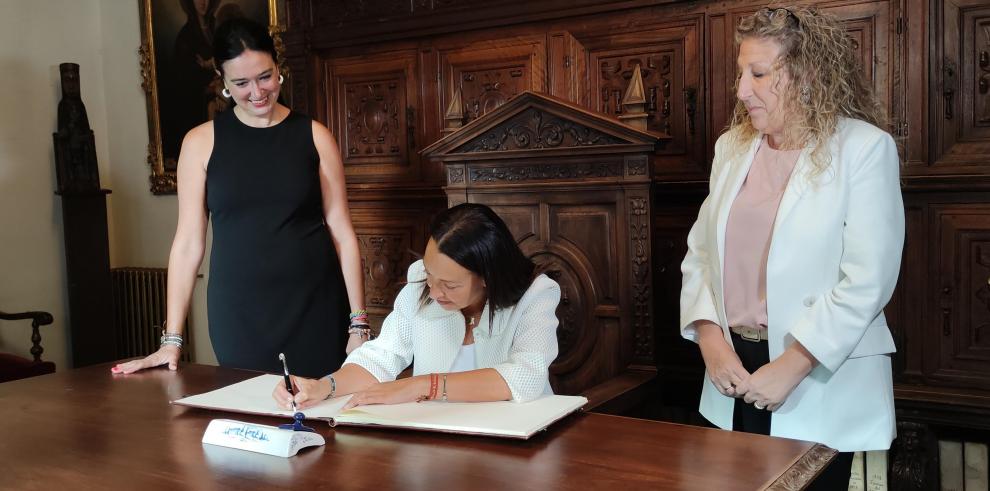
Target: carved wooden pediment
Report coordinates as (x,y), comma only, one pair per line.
(533,121)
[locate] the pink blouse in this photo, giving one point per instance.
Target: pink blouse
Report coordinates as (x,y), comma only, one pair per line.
(748,233)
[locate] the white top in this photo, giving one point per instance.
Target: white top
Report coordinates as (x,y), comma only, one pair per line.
(520,343)
(465,360)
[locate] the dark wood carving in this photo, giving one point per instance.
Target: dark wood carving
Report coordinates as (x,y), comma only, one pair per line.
(591,234)
(805,470)
(373,107)
(484,90)
(487,76)
(534,129)
(910,458)
(75,148)
(960,94)
(374,119)
(963,313)
(383,257)
(666,55)
(84,219)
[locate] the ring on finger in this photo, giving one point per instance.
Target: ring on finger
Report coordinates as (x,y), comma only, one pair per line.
(758,406)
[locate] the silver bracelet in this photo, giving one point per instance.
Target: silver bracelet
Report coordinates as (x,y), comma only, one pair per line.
(171,338)
(333,387)
(363,330)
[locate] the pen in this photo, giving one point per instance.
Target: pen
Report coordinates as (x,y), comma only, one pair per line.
(288,381)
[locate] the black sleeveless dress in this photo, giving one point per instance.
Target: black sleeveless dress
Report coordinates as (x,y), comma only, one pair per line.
(275,282)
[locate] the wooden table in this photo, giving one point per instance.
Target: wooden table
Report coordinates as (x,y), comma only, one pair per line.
(88,429)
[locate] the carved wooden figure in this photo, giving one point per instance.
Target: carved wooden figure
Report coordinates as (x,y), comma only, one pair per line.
(75,150)
(84,219)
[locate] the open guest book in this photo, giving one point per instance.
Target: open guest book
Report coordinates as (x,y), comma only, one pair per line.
(500,419)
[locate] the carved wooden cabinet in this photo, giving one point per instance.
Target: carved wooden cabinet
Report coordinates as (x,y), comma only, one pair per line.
(574,188)
(960,88)
(372,103)
(929,62)
(961,240)
(486,74)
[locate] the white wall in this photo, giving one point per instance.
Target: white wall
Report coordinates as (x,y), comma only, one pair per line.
(103,38)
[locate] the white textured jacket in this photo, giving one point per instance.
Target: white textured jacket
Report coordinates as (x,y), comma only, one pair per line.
(834,257)
(521,345)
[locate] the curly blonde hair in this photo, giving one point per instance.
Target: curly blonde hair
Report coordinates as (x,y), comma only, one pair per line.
(826,79)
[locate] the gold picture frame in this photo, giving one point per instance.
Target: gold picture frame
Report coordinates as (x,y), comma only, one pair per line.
(167,29)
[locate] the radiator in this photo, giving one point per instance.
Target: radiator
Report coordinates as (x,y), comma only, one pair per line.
(139,310)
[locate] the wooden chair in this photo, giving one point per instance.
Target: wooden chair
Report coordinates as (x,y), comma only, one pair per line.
(13,367)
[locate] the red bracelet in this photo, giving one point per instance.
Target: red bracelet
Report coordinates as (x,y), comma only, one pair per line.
(434,385)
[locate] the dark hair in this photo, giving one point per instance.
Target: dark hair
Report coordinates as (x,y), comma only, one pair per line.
(477,239)
(237,35)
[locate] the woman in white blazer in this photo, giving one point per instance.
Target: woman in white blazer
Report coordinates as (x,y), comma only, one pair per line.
(476,318)
(797,248)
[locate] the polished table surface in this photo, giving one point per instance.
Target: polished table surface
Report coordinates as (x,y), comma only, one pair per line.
(88,429)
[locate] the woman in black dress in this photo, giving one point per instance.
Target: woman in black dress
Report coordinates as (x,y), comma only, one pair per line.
(285,262)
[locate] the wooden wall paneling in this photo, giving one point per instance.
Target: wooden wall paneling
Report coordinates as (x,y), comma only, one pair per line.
(348,22)
(679,364)
(567,68)
(669,58)
(909,124)
(905,312)
(300,72)
(372,102)
(391,236)
(961,235)
(960,91)
(720,66)
(431,111)
(490,72)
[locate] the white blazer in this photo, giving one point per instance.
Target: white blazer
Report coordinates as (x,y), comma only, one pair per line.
(520,347)
(834,257)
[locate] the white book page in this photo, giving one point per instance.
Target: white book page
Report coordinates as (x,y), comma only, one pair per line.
(494,418)
(254,396)
(503,418)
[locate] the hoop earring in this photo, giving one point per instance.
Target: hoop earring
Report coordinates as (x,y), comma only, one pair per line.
(225,92)
(280,79)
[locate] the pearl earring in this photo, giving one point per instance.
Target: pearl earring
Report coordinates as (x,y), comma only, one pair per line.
(280,79)
(225,92)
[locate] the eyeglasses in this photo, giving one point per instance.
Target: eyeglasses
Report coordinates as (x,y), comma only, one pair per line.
(780,15)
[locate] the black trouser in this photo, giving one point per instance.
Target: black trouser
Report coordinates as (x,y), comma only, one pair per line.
(748,419)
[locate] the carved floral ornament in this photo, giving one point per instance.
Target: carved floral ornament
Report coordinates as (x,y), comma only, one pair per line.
(534,129)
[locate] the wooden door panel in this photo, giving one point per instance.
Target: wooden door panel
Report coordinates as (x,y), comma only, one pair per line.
(371,107)
(573,239)
(960,92)
(489,73)
(962,315)
(669,59)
